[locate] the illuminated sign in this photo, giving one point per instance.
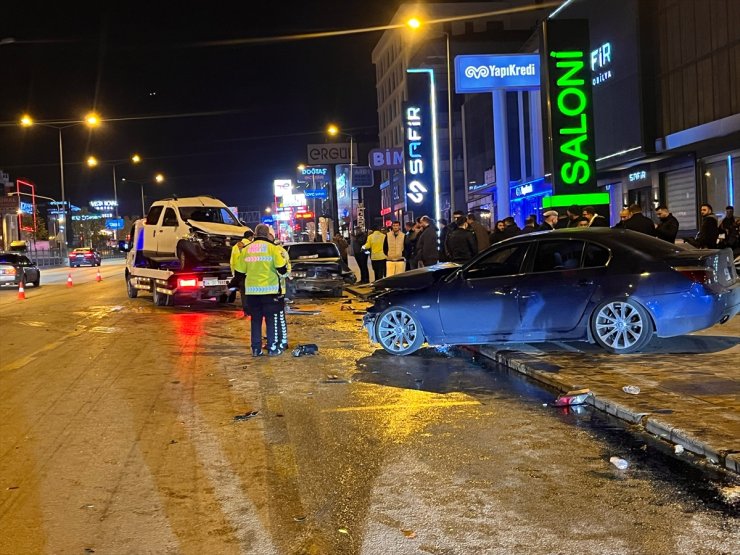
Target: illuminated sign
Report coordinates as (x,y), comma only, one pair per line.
(638,176)
(420,144)
(334,153)
(26,207)
(282,187)
(362,176)
(103,204)
(386,158)
(569,106)
(601,61)
(488,72)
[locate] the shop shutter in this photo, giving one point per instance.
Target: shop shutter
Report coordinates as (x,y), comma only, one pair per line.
(680,192)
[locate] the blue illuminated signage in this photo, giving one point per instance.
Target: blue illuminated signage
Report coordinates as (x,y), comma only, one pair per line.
(386,158)
(488,72)
(420,144)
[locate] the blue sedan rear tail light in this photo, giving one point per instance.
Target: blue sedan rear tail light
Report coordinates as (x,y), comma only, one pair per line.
(697,274)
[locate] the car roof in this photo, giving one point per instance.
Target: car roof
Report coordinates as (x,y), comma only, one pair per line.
(10,255)
(193,201)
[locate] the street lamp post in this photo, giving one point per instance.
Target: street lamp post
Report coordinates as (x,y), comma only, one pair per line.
(158,178)
(135,159)
(91,120)
(334,130)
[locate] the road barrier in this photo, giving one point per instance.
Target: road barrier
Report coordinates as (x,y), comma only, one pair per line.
(21,290)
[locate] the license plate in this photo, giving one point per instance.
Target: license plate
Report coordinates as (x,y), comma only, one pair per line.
(212,282)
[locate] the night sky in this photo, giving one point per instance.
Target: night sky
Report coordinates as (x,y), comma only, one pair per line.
(148,59)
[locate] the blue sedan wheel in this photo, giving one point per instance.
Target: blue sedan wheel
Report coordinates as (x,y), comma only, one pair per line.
(621,326)
(399,332)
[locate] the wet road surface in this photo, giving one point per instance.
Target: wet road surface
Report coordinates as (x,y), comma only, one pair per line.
(118,434)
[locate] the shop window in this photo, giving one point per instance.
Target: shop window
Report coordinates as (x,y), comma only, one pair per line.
(716,184)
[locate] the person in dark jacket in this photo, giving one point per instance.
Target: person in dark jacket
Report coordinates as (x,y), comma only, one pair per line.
(359,237)
(594,219)
(709,230)
(530,224)
(667,229)
(572,213)
(624,215)
(510,227)
(550,221)
(731,228)
(498,232)
(409,243)
(427,251)
(481,233)
(638,221)
(461,245)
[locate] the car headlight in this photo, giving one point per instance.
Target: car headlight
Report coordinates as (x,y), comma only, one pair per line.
(298,274)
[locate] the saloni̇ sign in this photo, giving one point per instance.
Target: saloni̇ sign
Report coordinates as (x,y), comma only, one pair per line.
(568,105)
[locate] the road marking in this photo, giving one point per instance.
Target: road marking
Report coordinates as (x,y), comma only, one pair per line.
(434,405)
(21,362)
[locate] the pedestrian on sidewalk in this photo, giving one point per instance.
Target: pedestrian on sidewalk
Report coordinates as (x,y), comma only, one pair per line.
(342,245)
(358,240)
(667,228)
(378,247)
(427,252)
(461,243)
(395,240)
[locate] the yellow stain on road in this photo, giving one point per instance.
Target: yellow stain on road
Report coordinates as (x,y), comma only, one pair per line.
(397,406)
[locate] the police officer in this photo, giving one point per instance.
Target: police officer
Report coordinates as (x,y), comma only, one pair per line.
(264,266)
(239,269)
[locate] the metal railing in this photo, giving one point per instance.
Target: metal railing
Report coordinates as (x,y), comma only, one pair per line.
(58,257)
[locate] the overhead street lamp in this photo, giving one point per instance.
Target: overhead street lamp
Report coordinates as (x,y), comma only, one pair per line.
(93,162)
(333,130)
(158,178)
(91,120)
(415,23)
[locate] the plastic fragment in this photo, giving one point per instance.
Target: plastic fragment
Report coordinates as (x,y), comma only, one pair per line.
(343,531)
(574,397)
(631,389)
(621,464)
(678,449)
(245,416)
(409,533)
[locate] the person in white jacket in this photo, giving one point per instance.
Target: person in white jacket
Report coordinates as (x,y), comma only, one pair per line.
(395,262)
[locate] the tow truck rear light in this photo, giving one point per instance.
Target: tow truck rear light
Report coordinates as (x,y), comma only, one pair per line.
(187,282)
(697,274)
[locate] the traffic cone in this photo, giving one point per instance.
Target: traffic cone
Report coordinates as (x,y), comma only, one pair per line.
(21,290)
(98,277)
(69,280)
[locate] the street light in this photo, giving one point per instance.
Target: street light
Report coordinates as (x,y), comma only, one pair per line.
(333,130)
(158,178)
(91,120)
(415,23)
(93,162)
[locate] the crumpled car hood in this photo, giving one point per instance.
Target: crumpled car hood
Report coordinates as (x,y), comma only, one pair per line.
(414,280)
(218,229)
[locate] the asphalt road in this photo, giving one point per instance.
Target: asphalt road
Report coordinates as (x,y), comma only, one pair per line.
(118,435)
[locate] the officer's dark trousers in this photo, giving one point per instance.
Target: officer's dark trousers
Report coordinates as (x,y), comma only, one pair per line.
(264,308)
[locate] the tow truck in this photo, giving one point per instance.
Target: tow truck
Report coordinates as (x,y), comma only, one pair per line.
(164,277)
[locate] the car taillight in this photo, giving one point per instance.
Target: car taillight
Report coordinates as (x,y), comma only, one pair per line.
(697,274)
(88,255)
(8,271)
(187,282)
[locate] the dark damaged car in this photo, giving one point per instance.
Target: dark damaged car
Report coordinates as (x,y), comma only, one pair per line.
(616,288)
(317,268)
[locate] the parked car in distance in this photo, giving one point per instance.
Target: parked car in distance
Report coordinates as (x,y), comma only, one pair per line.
(613,287)
(15,267)
(84,255)
(317,268)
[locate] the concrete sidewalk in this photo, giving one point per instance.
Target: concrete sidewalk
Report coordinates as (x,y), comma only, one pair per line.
(689,386)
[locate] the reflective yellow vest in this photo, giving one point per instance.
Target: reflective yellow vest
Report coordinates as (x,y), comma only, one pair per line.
(262,259)
(237,262)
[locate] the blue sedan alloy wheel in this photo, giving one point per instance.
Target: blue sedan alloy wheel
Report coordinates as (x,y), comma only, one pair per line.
(399,332)
(621,326)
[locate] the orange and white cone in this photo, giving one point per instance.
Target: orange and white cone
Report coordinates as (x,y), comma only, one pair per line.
(21,290)
(98,277)
(69,280)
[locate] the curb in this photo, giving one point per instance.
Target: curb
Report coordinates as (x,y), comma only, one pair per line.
(545,373)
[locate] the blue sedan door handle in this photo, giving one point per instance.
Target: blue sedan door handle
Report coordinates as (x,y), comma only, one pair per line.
(504,290)
(585,282)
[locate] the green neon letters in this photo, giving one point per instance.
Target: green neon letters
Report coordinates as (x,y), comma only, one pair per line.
(572,103)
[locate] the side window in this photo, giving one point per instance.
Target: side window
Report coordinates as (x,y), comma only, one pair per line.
(228,218)
(501,262)
(170,218)
(558,255)
(595,256)
(153,217)
(24,261)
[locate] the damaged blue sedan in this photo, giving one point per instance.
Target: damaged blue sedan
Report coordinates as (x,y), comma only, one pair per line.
(616,288)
